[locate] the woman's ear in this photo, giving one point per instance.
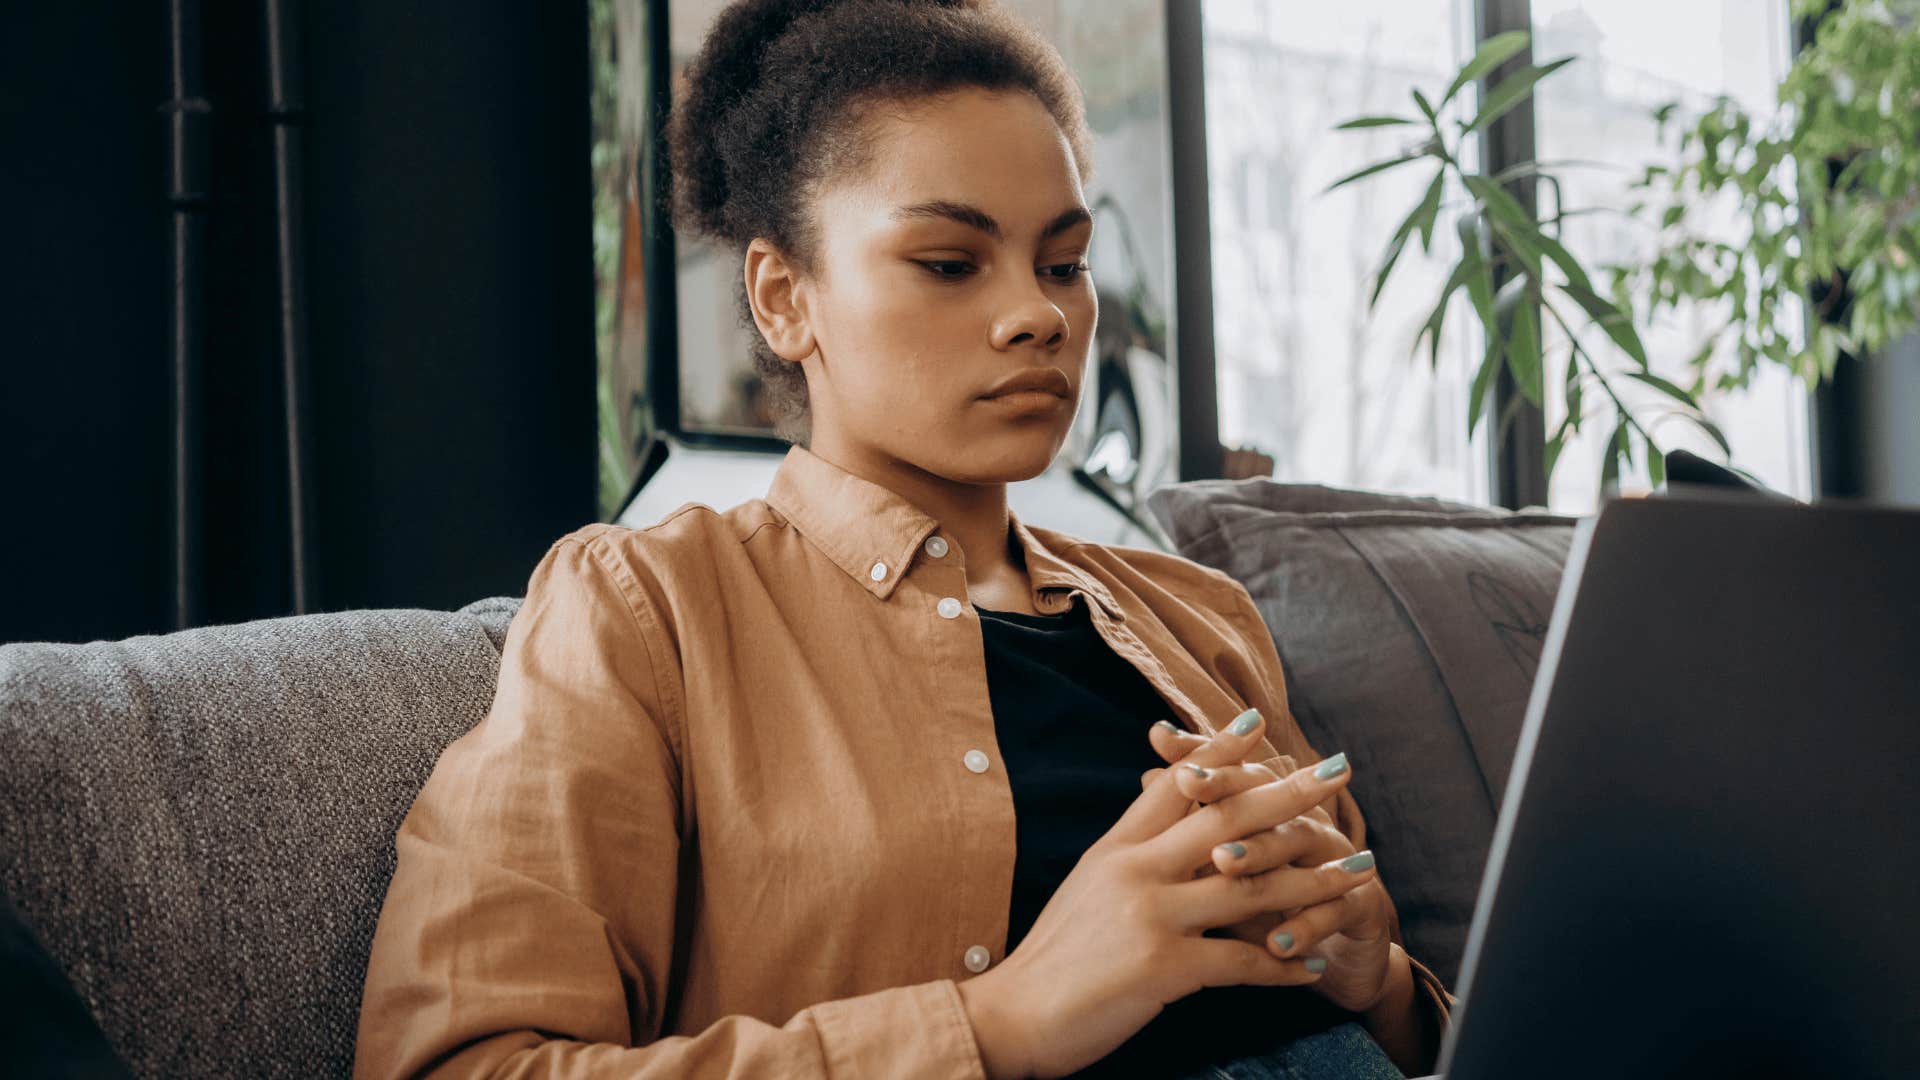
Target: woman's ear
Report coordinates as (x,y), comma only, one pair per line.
(774,293)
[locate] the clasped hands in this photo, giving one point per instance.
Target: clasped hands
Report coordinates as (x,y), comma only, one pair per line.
(1350,932)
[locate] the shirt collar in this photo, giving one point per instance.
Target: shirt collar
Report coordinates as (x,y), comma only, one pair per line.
(863,527)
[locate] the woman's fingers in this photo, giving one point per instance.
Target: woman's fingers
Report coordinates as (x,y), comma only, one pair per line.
(1307,840)
(1188,841)
(1172,742)
(1206,785)
(1162,802)
(1301,931)
(1232,962)
(1222,900)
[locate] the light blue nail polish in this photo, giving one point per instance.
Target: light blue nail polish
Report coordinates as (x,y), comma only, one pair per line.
(1358,861)
(1235,848)
(1284,940)
(1199,771)
(1316,964)
(1245,722)
(1331,767)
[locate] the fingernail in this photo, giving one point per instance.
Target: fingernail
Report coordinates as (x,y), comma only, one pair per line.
(1199,772)
(1358,861)
(1245,722)
(1284,940)
(1168,724)
(1331,767)
(1234,849)
(1316,964)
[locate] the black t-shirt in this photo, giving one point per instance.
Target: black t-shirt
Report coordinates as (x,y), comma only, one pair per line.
(1071,716)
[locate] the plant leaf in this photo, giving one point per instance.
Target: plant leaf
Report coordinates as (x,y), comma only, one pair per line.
(1394,248)
(1420,218)
(1713,431)
(1497,50)
(1507,416)
(1481,381)
(1611,319)
(1438,317)
(1376,167)
(1575,390)
(1500,203)
(1480,281)
(1511,221)
(1656,466)
(1523,352)
(1503,98)
(1557,443)
(1564,259)
(1665,387)
(1426,107)
(1429,209)
(1610,459)
(1372,122)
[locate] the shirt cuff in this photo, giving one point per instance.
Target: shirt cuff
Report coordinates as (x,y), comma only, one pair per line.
(1433,996)
(920,1030)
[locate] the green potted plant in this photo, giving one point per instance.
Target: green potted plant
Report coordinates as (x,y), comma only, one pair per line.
(1827,189)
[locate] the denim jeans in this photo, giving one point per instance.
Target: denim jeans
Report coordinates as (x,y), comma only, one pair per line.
(1343,1052)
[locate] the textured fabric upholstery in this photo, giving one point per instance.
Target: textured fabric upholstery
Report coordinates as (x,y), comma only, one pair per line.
(1410,630)
(199,826)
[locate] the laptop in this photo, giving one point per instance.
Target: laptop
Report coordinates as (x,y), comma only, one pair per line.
(1707,863)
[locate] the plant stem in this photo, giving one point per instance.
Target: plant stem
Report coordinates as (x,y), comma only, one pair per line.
(1594,369)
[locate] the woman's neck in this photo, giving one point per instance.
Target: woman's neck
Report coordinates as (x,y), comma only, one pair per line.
(973,517)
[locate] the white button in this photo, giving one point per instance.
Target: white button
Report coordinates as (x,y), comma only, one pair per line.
(975,760)
(879,571)
(937,546)
(978,958)
(949,608)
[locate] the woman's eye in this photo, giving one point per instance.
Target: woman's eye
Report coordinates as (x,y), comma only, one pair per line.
(1066,271)
(947,268)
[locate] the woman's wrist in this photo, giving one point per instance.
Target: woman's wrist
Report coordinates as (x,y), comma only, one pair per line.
(1398,1020)
(1001,1054)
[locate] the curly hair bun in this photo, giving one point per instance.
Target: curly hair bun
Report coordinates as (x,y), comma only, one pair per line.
(767,94)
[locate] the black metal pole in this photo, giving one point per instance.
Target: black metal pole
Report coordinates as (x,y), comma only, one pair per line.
(188,117)
(287,112)
(1197,394)
(1519,452)
(656,233)
(1834,413)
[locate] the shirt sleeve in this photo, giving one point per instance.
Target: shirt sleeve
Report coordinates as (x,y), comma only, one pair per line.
(528,930)
(1267,691)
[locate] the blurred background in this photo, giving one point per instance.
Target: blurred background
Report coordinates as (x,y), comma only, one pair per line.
(322,307)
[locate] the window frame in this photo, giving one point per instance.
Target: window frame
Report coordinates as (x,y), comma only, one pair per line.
(1515,458)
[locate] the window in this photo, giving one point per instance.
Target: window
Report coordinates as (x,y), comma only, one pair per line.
(1333,392)
(1634,56)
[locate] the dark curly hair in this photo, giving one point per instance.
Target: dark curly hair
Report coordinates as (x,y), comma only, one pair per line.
(775,102)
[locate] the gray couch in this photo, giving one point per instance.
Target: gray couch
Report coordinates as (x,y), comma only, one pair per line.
(199,826)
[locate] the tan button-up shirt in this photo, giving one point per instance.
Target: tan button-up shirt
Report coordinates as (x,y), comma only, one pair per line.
(738,809)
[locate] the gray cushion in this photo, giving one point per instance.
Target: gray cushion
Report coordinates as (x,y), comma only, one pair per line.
(200,825)
(1409,629)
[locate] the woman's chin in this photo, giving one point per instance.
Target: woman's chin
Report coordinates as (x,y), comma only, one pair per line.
(1006,456)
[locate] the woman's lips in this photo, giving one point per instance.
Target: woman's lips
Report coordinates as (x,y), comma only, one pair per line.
(1050,379)
(1027,402)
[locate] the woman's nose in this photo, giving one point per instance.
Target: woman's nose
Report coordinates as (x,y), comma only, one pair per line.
(1030,317)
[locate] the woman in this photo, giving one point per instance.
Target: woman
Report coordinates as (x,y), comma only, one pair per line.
(860,779)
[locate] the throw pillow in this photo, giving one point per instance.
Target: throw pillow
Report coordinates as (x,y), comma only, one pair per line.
(1409,629)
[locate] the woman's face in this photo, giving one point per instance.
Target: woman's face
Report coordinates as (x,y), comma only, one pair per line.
(954,258)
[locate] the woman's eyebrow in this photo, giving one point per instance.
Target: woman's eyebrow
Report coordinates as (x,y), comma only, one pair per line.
(974,217)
